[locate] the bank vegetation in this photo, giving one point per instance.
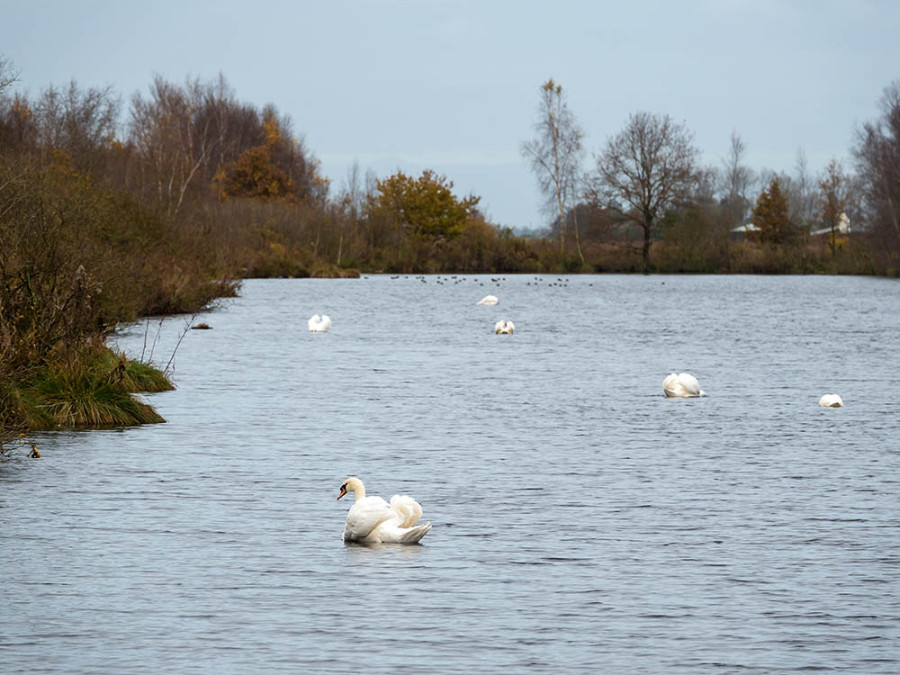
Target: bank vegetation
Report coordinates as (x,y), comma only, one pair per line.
(114,210)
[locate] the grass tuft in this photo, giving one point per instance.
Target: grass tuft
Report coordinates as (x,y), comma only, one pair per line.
(89,389)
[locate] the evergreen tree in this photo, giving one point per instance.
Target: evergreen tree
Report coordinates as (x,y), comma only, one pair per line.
(771,215)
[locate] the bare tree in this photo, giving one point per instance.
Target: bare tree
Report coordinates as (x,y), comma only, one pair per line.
(647,169)
(802,195)
(351,201)
(80,122)
(170,145)
(7,75)
(737,179)
(555,155)
(832,208)
(877,154)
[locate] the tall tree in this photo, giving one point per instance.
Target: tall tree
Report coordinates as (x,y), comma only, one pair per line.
(833,203)
(801,191)
(556,155)
(771,215)
(257,172)
(172,147)
(736,181)
(647,169)
(7,74)
(80,122)
(877,155)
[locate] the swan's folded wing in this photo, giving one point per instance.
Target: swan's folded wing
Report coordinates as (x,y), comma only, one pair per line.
(364,516)
(406,509)
(690,386)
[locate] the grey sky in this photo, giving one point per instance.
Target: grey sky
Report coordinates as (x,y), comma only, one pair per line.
(452,85)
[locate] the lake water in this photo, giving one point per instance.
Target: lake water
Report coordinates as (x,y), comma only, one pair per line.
(581,521)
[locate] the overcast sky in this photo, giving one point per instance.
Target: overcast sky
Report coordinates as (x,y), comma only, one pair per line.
(453,85)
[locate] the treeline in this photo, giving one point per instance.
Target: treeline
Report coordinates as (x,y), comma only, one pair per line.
(108,215)
(647,185)
(112,210)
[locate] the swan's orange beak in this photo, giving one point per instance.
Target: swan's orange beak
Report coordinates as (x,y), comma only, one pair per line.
(343,492)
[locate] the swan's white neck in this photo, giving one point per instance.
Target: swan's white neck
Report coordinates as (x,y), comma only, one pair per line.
(355,485)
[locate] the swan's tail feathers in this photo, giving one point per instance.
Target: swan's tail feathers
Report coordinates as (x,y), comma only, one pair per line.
(408,510)
(414,534)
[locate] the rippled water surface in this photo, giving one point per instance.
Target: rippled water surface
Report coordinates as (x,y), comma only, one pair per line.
(580,519)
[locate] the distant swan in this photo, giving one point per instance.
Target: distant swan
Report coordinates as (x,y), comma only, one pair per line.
(319,324)
(682,385)
(488,300)
(372,521)
(504,327)
(831,401)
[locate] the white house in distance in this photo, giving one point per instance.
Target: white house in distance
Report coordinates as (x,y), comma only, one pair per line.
(842,228)
(744,230)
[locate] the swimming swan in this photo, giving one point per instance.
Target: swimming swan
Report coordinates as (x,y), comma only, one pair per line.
(372,521)
(504,327)
(682,385)
(831,401)
(488,300)
(319,324)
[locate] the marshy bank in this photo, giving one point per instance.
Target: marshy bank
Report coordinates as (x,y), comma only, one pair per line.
(104,222)
(77,259)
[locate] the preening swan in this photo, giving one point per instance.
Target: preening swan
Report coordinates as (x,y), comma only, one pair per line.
(682,385)
(504,327)
(319,324)
(831,401)
(488,300)
(371,520)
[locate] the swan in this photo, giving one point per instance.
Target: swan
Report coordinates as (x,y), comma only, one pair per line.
(831,401)
(504,327)
(319,324)
(682,385)
(488,300)
(371,520)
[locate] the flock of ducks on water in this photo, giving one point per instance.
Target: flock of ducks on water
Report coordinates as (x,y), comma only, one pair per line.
(372,520)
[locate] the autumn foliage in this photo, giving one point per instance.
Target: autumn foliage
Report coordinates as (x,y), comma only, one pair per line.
(423,207)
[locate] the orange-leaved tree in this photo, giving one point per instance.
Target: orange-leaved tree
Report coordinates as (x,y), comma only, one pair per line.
(424,207)
(276,168)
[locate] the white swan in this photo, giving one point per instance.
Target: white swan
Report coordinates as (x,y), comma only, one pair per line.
(831,401)
(488,300)
(504,327)
(371,520)
(319,324)
(682,385)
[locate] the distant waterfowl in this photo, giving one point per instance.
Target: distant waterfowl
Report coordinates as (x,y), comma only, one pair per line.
(201,326)
(504,327)
(35,453)
(488,300)
(371,520)
(831,401)
(319,324)
(682,385)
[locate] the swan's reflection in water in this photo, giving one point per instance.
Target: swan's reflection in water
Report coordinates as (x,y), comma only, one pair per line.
(364,553)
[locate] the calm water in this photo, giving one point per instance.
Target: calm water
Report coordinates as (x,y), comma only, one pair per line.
(581,520)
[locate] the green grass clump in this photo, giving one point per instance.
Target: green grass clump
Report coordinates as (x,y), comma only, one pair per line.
(91,388)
